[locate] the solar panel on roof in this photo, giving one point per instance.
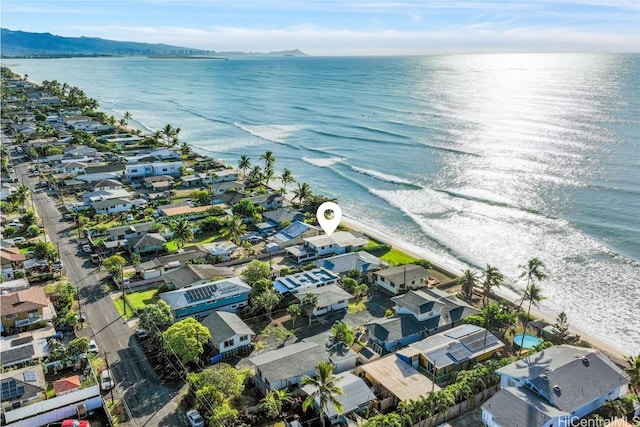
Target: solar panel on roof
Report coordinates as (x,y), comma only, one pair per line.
(476,341)
(461,331)
(30,376)
(11,390)
(458,353)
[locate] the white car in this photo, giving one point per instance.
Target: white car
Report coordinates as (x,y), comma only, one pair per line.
(129,218)
(106,383)
(19,240)
(195,419)
(87,249)
(93,347)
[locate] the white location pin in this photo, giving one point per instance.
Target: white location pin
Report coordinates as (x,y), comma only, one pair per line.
(329,225)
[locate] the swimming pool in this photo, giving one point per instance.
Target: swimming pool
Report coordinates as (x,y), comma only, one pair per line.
(529,341)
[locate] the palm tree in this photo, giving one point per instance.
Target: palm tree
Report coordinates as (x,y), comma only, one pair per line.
(268,174)
(440,402)
(127,117)
(469,281)
(492,279)
(286,178)
(534,270)
(256,175)
(21,195)
(243,164)
(342,333)
(389,420)
(233,229)
(309,303)
(269,159)
(185,149)
(168,131)
(294,311)
(302,193)
(325,390)
(633,371)
(182,232)
(273,401)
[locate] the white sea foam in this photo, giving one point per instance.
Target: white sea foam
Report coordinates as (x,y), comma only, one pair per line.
(479,233)
(277,133)
(323,162)
(381,176)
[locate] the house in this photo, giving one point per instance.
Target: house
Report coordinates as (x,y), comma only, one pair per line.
(82,150)
(285,367)
(268,201)
(150,242)
(337,243)
(402,278)
(556,386)
(13,285)
(24,308)
(159,182)
(76,168)
(22,387)
(356,396)
(161,265)
(223,175)
(195,180)
(225,187)
(392,381)
(330,298)
(186,211)
(459,348)
(229,334)
(25,347)
(305,281)
(11,261)
(195,274)
(201,300)
(294,234)
(107,184)
(95,196)
(418,315)
(281,216)
(143,170)
(112,206)
(361,261)
(125,232)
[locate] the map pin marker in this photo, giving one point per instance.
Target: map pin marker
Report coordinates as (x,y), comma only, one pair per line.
(329,225)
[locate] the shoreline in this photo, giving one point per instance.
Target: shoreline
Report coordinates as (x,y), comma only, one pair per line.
(504,293)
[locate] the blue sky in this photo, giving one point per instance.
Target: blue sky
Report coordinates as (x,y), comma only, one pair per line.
(343,27)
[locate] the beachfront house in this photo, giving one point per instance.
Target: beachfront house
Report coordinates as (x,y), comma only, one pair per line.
(392,381)
(229,334)
(360,261)
(201,300)
(305,281)
(418,314)
(402,278)
(356,396)
(294,234)
(554,387)
(285,367)
(330,298)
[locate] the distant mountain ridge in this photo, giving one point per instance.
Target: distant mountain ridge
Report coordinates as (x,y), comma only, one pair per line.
(26,44)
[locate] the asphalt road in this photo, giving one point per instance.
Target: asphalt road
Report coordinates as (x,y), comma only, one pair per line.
(149,402)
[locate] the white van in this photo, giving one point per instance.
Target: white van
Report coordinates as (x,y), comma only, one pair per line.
(106,383)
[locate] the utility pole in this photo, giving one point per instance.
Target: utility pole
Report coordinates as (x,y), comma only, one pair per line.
(124,294)
(110,375)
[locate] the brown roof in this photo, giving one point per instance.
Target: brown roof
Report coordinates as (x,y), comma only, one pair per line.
(23,301)
(11,254)
(66,384)
(180,210)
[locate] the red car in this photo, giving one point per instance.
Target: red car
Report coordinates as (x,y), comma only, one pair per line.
(75,423)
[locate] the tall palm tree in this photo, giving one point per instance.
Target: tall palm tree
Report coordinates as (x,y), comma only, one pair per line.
(343,333)
(492,279)
(534,270)
(286,178)
(243,164)
(168,131)
(268,174)
(127,117)
(326,390)
(269,159)
(468,282)
(233,229)
(185,149)
(274,399)
(256,175)
(302,192)
(182,232)
(309,303)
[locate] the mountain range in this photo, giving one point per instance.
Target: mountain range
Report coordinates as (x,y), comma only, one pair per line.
(26,44)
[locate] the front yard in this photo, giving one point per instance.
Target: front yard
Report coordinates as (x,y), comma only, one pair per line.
(135,301)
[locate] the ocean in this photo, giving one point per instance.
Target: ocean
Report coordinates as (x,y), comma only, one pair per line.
(469,159)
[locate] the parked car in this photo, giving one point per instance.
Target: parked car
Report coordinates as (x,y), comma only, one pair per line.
(95,258)
(57,265)
(129,217)
(106,383)
(93,347)
(19,240)
(195,419)
(87,249)
(75,423)
(141,333)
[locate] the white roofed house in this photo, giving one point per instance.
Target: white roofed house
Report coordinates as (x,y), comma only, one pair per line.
(402,278)
(330,298)
(305,281)
(112,206)
(554,387)
(338,243)
(229,334)
(361,261)
(150,242)
(294,234)
(143,170)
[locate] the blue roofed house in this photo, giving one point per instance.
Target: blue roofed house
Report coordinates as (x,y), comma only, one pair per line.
(294,234)
(554,387)
(305,281)
(418,314)
(361,261)
(199,301)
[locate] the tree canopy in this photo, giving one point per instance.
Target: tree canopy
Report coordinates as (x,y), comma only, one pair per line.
(256,270)
(186,339)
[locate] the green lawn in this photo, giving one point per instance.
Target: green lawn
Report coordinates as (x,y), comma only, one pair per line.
(396,257)
(138,300)
(118,302)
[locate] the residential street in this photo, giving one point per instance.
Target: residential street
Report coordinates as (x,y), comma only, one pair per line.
(149,402)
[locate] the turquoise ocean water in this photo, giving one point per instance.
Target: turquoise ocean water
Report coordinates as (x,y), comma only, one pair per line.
(470,159)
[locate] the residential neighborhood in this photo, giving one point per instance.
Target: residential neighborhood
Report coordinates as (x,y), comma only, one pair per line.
(195,285)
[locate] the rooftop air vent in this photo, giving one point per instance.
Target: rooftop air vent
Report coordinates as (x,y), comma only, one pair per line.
(556,388)
(548,369)
(544,377)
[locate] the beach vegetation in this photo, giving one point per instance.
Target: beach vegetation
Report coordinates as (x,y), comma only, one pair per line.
(243,164)
(560,332)
(468,282)
(493,278)
(633,371)
(302,192)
